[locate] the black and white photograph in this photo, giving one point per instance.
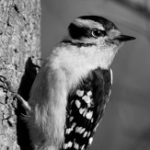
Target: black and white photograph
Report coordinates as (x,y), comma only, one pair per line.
(74,75)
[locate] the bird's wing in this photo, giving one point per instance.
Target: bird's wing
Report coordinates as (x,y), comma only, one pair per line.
(85,108)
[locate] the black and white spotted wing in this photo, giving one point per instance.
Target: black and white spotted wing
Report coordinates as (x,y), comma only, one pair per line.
(85,108)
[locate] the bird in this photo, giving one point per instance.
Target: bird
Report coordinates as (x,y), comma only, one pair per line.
(70,92)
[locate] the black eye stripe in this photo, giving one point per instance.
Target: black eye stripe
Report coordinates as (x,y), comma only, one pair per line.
(77,32)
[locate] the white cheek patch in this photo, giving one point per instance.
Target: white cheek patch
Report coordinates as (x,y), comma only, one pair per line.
(113,33)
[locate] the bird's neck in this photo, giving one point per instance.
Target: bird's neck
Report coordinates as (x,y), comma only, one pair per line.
(78,62)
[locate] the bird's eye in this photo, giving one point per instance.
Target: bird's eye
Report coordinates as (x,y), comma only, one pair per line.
(97,33)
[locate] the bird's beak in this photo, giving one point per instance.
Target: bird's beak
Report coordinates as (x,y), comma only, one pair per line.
(124,38)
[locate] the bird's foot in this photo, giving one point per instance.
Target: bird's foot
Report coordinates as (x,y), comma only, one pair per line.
(6,85)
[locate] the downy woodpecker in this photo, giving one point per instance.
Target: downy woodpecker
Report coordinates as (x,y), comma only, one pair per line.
(70,92)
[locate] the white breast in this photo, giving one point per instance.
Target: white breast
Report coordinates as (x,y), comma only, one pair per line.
(77,62)
(74,62)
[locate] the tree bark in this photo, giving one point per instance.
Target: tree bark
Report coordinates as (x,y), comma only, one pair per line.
(19,55)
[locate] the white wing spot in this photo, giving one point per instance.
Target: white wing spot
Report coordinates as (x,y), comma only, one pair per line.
(85,134)
(78,104)
(83,129)
(82,111)
(90,140)
(69,144)
(82,148)
(89,115)
(73,125)
(80,130)
(89,93)
(65,146)
(68,130)
(71,118)
(87,99)
(79,93)
(89,134)
(85,112)
(76,146)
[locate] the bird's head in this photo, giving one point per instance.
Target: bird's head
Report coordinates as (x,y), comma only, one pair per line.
(100,34)
(96,30)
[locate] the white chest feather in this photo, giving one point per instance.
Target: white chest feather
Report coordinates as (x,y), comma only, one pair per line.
(77,62)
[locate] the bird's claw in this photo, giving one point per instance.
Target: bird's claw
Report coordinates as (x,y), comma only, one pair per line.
(6,85)
(24,103)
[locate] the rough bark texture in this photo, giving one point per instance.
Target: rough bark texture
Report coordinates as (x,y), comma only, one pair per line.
(19,53)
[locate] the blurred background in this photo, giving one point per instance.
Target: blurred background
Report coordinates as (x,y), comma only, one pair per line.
(126,123)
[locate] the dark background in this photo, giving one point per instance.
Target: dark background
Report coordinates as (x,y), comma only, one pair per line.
(126,123)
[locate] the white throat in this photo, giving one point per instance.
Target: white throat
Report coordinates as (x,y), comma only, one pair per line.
(77,62)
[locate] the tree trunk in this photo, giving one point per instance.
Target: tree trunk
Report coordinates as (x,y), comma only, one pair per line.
(19,55)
